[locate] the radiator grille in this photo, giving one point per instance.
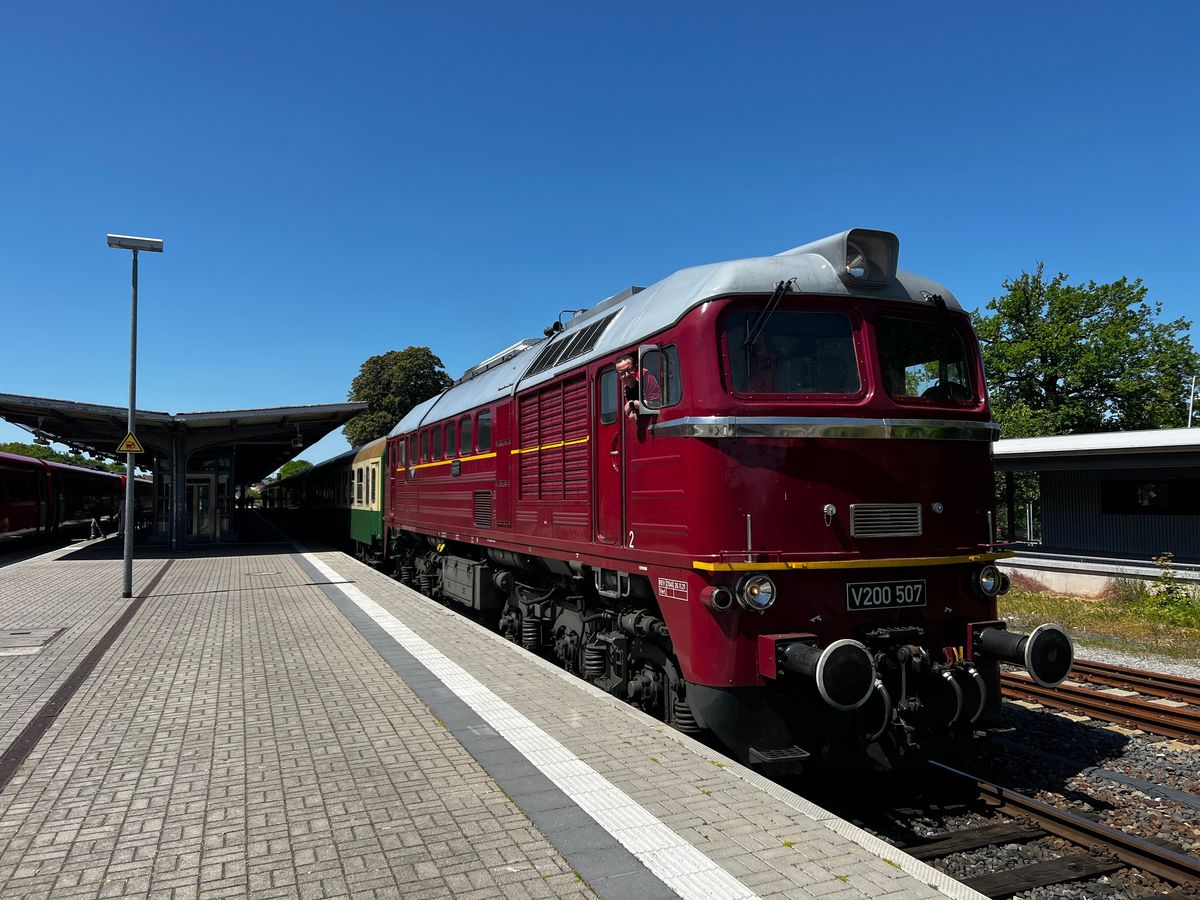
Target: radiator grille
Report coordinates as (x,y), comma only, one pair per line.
(483,509)
(868,520)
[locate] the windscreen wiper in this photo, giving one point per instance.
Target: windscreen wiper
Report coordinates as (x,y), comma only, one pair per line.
(760,324)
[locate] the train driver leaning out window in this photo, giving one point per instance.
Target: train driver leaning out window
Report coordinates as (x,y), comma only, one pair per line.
(630,380)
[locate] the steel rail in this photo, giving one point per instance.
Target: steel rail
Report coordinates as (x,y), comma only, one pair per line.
(1167,864)
(1155,684)
(1177,723)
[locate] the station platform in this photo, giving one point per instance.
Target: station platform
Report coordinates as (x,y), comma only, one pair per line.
(265,720)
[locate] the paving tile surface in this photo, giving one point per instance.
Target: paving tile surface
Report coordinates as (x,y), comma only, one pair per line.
(242,737)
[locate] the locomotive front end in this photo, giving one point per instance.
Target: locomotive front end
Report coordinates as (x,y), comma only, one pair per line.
(855,583)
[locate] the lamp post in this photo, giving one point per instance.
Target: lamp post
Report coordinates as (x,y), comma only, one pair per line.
(153,245)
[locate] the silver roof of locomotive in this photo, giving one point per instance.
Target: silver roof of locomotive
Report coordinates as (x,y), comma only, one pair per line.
(644,312)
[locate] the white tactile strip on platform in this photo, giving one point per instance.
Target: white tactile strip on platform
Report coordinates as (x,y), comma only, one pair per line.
(668,856)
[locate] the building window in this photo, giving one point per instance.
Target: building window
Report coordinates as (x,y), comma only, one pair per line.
(1159,496)
(485,430)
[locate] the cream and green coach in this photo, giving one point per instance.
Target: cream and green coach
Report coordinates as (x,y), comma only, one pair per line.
(339,497)
(366,473)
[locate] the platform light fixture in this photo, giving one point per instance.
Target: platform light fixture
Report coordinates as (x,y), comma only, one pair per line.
(136,244)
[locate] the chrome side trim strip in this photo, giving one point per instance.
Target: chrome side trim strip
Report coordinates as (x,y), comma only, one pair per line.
(826,427)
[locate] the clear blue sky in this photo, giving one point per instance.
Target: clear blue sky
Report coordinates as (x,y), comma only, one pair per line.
(337,180)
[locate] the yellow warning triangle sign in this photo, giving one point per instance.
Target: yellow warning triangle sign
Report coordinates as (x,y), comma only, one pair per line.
(130,445)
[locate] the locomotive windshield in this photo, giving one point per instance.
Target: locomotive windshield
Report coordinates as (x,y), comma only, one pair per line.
(924,360)
(798,352)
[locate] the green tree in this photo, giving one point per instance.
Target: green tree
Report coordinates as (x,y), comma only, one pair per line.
(392,383)
(1069,358)
(294,467)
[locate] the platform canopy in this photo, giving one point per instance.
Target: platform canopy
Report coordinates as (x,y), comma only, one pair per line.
(263,439)
(1162,447)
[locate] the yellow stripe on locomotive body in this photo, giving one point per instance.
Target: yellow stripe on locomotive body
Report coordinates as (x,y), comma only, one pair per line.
(572,443)
(904,562)
(446,462)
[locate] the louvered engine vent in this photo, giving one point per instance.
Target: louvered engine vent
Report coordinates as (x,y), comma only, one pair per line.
(868,520)
(483,509)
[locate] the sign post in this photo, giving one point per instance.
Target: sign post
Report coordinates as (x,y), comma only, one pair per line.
(154,245)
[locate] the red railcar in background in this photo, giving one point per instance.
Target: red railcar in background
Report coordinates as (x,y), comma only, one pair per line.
(39,498)
(781,531)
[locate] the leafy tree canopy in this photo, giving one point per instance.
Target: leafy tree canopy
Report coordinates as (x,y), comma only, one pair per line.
(392,383)
(1069,358)
(40,451)
(294,467)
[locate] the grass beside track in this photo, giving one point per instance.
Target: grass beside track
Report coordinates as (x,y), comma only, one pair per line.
(1129,620)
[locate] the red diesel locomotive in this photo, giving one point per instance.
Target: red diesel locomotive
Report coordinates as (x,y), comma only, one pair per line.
(776,527)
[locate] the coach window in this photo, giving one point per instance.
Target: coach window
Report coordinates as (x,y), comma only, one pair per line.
(374,472)
(485,430)
(358,494)
(465,429)
(437,443)
(451,446)
(425,446)
(608,396)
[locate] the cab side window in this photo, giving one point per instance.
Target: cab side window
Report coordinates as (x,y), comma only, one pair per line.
(661,367)
(608,396)
(465,427)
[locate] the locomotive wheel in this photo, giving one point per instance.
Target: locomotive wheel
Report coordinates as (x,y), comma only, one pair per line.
(646,690)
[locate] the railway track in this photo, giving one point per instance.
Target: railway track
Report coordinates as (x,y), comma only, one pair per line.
(966,826)
(1155,684)
(1157,718)
(1103,850)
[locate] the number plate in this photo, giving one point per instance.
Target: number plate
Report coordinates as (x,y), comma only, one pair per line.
(884,595)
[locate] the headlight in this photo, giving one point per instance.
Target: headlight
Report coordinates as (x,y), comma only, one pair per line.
(756,593)
(988,580)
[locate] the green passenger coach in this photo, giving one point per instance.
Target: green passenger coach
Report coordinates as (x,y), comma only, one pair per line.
(343,495)
(366,472)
